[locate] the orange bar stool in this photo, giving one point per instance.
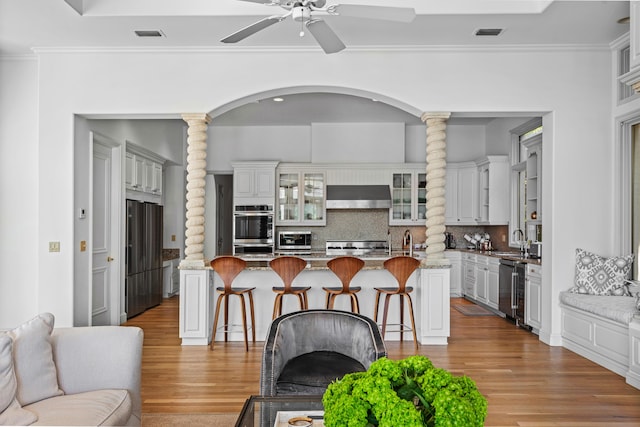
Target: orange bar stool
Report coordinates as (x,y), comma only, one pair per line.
(228,267)
(288,267)
(401,267)
(345,267)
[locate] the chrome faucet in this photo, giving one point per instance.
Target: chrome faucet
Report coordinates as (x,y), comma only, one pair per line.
(389,240)
(520,240)
(408,240)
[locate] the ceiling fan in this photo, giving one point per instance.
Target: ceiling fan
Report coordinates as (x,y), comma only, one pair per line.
(305,11)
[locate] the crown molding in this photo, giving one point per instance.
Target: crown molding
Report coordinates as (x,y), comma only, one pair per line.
(314,49)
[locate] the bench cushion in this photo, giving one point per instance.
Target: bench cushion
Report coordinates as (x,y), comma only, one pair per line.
(92,408)
(618,309)
(311,373)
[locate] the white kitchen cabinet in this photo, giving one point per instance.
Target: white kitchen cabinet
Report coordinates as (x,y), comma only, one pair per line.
(461,188)
(493,286)
(455,257)
(469,273)
(143,174)
(493,190)
(301,197)
(533,297)
(408,197)
(482,269)
(170,278)
(254,183)
(534,180)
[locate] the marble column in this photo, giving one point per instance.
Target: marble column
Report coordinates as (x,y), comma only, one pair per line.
(436,179)
(196,172)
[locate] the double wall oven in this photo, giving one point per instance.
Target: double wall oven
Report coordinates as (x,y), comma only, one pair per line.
(253,229)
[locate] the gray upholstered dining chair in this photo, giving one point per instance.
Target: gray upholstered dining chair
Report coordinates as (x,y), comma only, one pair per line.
(306,350)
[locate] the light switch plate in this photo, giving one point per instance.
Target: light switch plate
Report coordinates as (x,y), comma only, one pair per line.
(54,246)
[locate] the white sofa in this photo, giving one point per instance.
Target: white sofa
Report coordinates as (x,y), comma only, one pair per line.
(70,376)
(605,330)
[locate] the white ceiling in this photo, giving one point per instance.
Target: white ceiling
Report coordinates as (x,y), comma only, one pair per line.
(35,25)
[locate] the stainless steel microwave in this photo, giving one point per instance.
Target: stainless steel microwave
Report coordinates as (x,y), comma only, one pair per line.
(253,225)
(294,241)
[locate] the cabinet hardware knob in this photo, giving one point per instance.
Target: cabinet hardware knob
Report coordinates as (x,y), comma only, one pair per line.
(109,259)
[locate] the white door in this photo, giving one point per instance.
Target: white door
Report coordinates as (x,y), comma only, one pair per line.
(105,278)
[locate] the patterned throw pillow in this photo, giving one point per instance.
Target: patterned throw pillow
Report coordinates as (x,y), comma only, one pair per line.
(596,275)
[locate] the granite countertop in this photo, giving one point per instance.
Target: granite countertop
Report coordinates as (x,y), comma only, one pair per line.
(169,254)
(511,255)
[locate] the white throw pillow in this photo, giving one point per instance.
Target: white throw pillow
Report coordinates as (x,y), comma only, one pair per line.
(10,411)
(597,275)
(33,360)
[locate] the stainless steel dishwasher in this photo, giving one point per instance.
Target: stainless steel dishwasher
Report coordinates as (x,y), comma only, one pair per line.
(511,290)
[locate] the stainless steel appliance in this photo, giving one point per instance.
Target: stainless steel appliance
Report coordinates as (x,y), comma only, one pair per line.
(358,197)
(294,242)
(357,247)
(253,229)
(535,250)
(143,260)
(450,240)
(511,290)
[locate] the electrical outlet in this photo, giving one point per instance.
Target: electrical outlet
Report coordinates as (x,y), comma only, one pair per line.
(504,238)
(83,245)
(54,246)
(173,237)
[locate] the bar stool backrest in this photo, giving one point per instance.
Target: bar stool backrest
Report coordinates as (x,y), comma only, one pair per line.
(228,267)
(287,267)
(345,267)
(401,267)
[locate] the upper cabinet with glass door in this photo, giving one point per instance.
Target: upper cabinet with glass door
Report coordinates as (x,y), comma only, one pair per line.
(301,198)
(408,197)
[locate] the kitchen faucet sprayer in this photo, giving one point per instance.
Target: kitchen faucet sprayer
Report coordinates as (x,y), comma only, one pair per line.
(520,241)
(408,240)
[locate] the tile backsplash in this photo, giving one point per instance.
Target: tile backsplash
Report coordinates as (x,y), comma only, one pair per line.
(373,224)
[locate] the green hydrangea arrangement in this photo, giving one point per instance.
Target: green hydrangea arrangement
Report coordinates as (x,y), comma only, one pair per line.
(410,392)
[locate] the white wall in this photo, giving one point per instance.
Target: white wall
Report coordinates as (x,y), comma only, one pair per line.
(573,85)
(19,201)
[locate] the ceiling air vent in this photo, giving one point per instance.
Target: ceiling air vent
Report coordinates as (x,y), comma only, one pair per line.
(149,33)
(488,31)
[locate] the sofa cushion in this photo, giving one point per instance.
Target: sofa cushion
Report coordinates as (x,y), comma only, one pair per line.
(597,275)
(618,309)
(311,373)
(10,411)
(92,408)
(33,360)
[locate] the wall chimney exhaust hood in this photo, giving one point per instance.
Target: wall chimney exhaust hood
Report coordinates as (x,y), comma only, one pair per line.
(358,197)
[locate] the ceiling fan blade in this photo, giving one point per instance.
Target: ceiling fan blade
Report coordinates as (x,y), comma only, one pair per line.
(261,1)
(399,14)
(252,29)
(324,35)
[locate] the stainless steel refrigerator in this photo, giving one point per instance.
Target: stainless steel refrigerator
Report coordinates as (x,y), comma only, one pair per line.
(143,283)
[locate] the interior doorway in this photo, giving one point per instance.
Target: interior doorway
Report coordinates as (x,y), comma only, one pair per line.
(224,214)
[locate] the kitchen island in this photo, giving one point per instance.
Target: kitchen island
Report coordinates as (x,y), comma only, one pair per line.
(198,296)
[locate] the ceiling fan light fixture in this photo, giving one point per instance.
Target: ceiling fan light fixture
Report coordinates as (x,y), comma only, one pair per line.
(278,99)
(488,32)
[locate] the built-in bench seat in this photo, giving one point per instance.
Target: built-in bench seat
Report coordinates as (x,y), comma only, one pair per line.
(605,330)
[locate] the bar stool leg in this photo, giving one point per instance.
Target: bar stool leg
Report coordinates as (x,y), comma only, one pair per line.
(401,317)
(253,317)
(215,321)
(384,314)
(413,323)
(244,321)
(375,308)
(226,317)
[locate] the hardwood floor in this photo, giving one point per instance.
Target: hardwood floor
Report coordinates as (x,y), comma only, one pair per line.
(526,382)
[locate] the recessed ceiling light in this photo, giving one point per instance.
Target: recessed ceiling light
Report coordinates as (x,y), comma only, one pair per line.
(149,33)
(488,31)
(278,99)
